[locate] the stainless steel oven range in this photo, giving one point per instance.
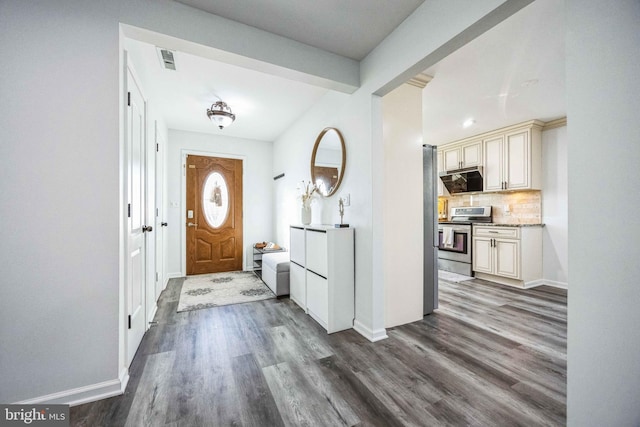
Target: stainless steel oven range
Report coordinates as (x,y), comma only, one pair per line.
(454,248)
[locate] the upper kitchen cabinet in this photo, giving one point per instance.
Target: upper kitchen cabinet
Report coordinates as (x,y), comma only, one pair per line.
(462,155)
(513,158)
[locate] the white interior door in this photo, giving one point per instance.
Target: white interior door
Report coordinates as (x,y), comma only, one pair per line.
(160,215)
(136,248)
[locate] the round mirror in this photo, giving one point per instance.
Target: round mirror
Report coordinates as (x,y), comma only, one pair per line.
(327,161)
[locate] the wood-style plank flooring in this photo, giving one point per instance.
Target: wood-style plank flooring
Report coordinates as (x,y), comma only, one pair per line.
(489,356)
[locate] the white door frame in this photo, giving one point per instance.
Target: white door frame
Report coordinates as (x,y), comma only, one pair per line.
(150,218)
(183,202)
(160,248)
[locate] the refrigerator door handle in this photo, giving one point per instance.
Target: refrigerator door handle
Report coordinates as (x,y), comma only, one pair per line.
(434,174)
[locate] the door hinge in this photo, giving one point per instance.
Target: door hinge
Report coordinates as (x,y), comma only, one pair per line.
(156,276)
(129,99)
(157,148)
(129,321)
(157,212)
(129,210)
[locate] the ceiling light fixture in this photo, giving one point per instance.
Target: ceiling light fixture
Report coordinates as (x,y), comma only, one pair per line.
(220,114)
(468,123)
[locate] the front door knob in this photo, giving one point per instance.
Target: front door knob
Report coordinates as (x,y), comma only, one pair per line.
(147,228)
(192,224)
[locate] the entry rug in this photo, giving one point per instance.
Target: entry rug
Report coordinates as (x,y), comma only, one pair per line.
(452,277)
(213,290)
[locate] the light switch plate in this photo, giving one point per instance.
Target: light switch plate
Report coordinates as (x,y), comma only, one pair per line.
(346,199)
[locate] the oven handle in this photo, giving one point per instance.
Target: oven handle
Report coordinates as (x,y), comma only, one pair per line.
(458,230)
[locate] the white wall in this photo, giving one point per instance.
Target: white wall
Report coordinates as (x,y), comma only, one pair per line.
(403,207)
(603,100)
(554,207)
(257,188)
(292,156)
(59,232)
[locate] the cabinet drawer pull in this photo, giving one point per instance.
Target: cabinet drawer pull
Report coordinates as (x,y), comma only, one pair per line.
(316,231)
(316,274)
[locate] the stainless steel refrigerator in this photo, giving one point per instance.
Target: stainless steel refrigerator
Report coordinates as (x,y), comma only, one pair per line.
(430,200)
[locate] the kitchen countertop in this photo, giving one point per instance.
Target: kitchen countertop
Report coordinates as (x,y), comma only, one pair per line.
(495,224)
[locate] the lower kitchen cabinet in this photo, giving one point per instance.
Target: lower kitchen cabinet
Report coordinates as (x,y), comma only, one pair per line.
(508,255)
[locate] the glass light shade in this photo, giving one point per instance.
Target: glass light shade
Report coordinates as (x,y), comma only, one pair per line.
(221,119)
(221,114)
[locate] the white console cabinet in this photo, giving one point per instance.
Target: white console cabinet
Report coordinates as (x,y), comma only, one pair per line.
(322,274)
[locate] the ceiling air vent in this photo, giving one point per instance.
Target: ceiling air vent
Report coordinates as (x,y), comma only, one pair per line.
(166,58)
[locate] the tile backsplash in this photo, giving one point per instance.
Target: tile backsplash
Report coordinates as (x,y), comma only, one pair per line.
(525,206)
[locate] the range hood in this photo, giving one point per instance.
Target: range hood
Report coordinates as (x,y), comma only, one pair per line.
(465,180)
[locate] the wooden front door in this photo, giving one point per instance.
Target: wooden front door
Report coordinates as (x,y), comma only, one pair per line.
(214,215)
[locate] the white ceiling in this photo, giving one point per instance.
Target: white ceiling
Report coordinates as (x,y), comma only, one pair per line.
(264,104)
(349,28)
(491,79)
(512,73)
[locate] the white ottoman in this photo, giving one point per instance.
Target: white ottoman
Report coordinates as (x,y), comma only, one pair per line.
(275,272)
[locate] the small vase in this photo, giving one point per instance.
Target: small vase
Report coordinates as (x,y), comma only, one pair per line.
(305,215)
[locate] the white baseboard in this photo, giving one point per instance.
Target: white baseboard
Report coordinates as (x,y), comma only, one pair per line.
(86,394)
(533,284)
(152,315)
(371,335)
(177,275)
(521,284)
(554,284)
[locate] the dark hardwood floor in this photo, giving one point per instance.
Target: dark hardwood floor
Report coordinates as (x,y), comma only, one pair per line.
(489,356)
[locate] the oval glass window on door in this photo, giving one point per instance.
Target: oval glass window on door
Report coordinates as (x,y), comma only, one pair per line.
(215,200)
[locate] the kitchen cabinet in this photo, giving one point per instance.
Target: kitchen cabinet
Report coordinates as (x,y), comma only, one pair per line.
(513,158)
(509,255)
(322,274)
(464,155)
